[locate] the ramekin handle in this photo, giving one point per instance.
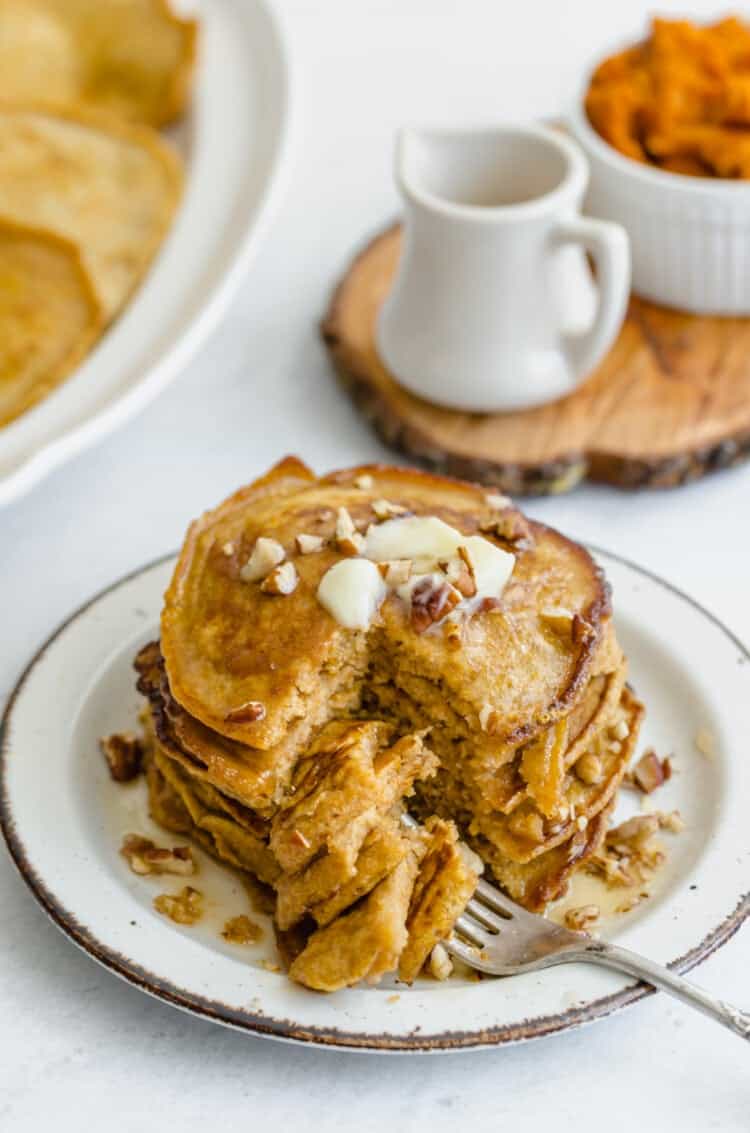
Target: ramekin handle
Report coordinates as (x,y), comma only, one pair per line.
(607,243)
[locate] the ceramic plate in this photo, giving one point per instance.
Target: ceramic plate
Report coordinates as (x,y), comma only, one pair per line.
(233,142)
(64,819)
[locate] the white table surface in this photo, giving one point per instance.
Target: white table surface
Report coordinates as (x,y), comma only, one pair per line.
(79,1049)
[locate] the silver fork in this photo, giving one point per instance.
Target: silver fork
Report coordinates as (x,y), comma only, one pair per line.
(499,937)
(496,936)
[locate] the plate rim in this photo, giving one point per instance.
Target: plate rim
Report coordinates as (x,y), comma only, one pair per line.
(286,1030)
(41,459)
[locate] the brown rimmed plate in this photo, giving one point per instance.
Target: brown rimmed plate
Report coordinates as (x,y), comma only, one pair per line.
(64,819)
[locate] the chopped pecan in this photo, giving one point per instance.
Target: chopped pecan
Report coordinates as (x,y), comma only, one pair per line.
(441,964)
(144,857)
(528,825)
(671,821)
(497,501)
(589,768)
(344,523)
(430,603)
(510,527)
(123,752)
(580,919)
(246,713)
(452,635)
(635,832)
(307,544)
(282,580)
(384,509)
(265,555)
(349,540)
(630,854)
(185,907)
(462,574)
(352,545)
(396,572)
(489,605)
(650,772)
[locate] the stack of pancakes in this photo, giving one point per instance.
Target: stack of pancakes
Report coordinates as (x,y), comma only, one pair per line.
(289,745)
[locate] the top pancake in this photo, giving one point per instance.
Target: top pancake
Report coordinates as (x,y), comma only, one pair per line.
(226,643)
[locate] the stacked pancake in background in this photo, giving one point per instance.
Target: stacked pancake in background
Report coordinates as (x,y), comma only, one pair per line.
(335,651)
(88,186)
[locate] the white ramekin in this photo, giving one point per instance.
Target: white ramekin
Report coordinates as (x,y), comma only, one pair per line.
(689,236)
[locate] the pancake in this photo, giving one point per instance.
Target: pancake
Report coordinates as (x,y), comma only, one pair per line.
(447,878)
(109,188)
(225,645)
(288,741)
(49,313)
(131,58)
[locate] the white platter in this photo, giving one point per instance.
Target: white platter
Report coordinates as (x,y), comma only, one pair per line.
(234,142)
(64,819)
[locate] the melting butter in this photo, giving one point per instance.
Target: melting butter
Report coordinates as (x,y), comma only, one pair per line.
(353,590)
(429,541)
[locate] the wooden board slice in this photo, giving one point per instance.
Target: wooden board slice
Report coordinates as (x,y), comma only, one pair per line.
(669,403)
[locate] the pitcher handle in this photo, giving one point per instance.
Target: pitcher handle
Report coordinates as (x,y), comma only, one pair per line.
(607,243)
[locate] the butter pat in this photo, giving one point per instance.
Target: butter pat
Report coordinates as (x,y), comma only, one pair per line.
(352,591)
(491,565)
(428,550)
(428,541)
(424,539)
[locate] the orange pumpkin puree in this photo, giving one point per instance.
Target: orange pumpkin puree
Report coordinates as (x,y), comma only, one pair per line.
(680,99)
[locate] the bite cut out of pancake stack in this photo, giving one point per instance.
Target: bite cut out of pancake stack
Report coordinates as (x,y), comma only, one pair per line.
(288,743)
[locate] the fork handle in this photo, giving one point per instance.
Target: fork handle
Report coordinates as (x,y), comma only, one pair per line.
(612,956)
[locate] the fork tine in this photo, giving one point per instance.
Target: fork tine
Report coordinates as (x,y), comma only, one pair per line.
(465,952)
(482,913)
(498,902)
(473,932)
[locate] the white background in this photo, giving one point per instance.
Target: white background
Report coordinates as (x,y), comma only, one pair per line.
(80,1050)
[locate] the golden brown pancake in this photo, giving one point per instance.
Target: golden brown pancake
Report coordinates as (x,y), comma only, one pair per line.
(226,644)
(49,315)
(131,58)
(108,187)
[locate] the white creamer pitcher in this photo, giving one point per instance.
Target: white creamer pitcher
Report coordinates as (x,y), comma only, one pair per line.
(494,306)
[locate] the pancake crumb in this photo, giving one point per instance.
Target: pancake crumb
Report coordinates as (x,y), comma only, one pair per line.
(241,930)
(441,965)
(705,743)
